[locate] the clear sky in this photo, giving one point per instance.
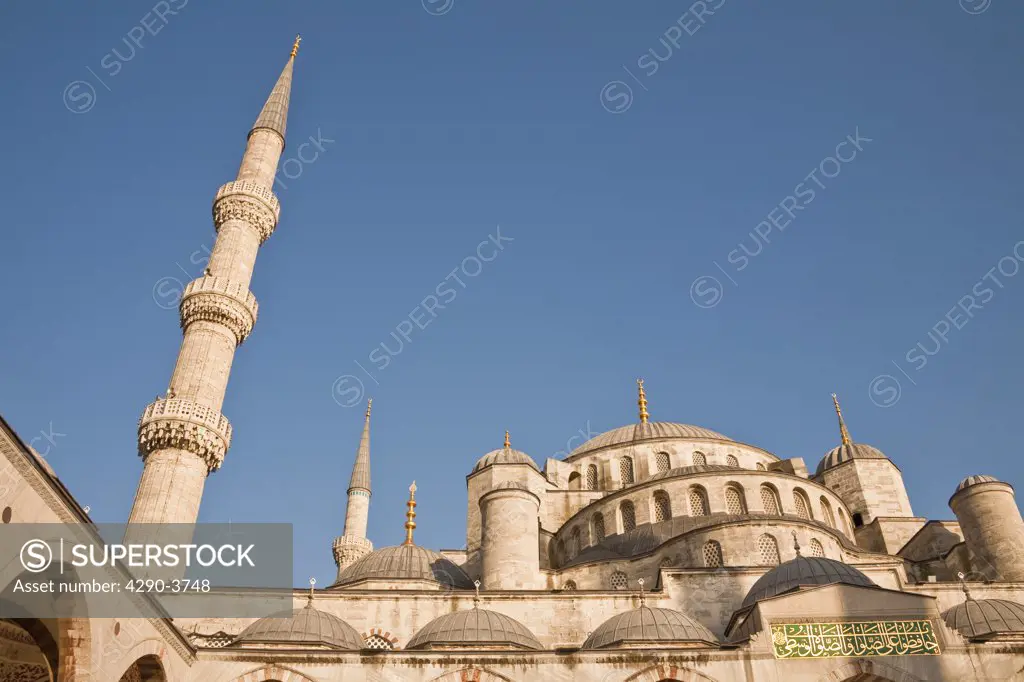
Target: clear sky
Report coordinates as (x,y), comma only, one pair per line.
(617,202)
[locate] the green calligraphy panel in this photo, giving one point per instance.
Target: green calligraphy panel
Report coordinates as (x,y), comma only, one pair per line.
(879,638)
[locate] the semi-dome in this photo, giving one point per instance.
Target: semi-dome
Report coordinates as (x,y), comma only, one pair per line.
(648,626)
(475,628)
(302,627)
(633,434)
(406,562)
(975,480)
(504,456)
(983,618)
(845,453)
(804,572)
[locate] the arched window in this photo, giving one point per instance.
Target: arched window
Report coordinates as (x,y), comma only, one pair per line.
(662,461)
(560,552)
(732,461)
(699,459)
(760,467)
(662,506)
(698,501)
(842,520)
(770,500)
(735,501)
(712,554)
(574,480)
(619,581)
(592,477)
(816,549)
(858,520)
(628,515)
(826,512)
(569,586)
(574,542)
(801,505)
(768,550)
(377,642)
(626,470)
(597,528)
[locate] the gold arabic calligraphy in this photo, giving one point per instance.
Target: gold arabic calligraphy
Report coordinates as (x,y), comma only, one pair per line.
(880,638)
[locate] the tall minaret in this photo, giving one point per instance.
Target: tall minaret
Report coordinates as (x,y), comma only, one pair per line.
(353,545)
(182,435)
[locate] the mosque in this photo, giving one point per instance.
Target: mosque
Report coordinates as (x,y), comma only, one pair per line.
(655,552)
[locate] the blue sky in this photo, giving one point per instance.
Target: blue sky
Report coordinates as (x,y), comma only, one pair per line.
(446,120)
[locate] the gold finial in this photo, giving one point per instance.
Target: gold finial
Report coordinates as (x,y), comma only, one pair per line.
(410,524)
(508,443)
(369,406)
(843,433)
(642,402)
(295,47)
(796,544)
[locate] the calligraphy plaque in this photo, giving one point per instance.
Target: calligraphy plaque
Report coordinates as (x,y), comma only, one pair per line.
(831,640)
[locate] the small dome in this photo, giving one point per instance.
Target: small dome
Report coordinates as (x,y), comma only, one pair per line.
(638,433)
(802,572)
(306,626)
(844,453)
(474,628)
(975,480)
(406,562)
(979,618)
(646,625)
(505,456)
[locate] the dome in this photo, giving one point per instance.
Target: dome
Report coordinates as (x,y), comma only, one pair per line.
(975,480)
(646,625)
(977,618)
(476,627)
(406,562)
(844,453)
(505,456)
(306,626)
(638,433)
(802,572)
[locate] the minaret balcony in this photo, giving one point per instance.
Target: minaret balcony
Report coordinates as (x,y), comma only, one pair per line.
(249,202)
(185,425)
(220,300)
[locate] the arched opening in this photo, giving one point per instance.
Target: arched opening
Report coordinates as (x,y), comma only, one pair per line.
(770,500)
(574,481)
(858,520)
(597,527)
(574,543)
(145,669)
(662,506)
(627,516)
(28,650)
(768,551)
(801,505)
(826,512)
(735,499)
(816,549)
(592,477)
(626,470)
(698,501)
(699,459)
(732,461)
(662,462)
(712,552)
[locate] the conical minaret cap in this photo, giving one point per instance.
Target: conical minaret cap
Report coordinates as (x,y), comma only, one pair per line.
(361,469)
(274,115)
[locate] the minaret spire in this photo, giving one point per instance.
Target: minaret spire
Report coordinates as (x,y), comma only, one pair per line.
(353,545)
(183,436)
(843,433)
(410,514)
(642,401)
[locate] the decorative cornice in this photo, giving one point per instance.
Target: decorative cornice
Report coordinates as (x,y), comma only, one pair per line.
(185,425)
(248,202)
(220,300)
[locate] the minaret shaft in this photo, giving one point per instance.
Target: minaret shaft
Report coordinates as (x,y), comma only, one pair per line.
(352,545)
(183,436)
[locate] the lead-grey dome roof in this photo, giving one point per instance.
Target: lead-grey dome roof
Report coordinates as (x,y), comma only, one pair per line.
(475,627)
(306,626)
(979,618)
(406,562)
(845,453)
(647,625)
(637,433)
(802,572)
(504,456)
(975,480)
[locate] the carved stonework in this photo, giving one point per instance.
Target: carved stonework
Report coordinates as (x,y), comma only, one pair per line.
(220,300)
(349,549)
(185,425)
(249,202)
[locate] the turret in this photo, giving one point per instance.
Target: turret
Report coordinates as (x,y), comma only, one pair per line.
(509,554)
(353,545)
(991,523)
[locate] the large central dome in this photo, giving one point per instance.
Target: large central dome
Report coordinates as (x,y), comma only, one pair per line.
(633,434)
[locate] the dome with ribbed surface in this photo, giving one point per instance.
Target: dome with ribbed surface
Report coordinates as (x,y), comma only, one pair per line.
(981,618)
(844,453)
(975,480)
(406,562)
(505,456)
(648,626)
(804,572)
(638,433)
(475,628)
(302,627)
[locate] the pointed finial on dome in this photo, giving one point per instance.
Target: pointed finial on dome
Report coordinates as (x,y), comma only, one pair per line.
(796,544)
(295,46)
(642,401)
(410,524)
(309,599)
(843,433)
(476,599)
(369,406)
(643,599)
(963,586)
(508,443)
